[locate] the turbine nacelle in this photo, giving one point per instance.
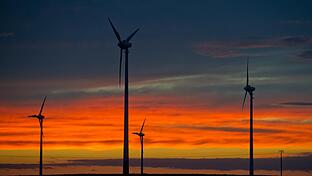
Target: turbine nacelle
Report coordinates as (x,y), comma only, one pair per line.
(139,134)
(124,44)
(40,117)
(249,88)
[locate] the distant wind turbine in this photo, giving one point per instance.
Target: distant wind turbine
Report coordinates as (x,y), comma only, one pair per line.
(249,89)
(124,45)
(40,117)
(281,161)
(141,135)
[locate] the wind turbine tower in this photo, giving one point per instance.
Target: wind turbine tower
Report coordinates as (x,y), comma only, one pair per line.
(141,135)
(281,162)
(40,117)
(124,45)
(249,89)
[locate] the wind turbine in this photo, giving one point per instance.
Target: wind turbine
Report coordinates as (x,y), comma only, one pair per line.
(124,45)
(40,117)
(249,89)
(141,135)
(281,161)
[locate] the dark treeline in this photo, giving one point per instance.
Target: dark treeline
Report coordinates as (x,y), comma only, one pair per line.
(290,163)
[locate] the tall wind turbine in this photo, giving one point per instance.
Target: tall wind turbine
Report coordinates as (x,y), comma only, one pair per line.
(40,117)
(249,89)
(141,135)
(124,45)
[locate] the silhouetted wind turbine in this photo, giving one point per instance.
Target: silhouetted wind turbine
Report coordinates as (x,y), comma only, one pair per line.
(141,135)
(281,161)
(249,89)
(124,45)
(40,117)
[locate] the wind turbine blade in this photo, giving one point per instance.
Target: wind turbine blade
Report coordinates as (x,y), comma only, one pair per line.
(120,63)
(129,38)
(244,100)
(32,116)
(42,135)
(114,29)
(142,125)
(247,82)
(42,105)
(136,133)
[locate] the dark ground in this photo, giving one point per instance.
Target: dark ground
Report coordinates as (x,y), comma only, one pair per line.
(151,174)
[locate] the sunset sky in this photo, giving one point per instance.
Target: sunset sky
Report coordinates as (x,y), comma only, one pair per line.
(187,69)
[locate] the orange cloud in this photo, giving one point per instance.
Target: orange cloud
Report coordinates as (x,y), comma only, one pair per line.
(97,123)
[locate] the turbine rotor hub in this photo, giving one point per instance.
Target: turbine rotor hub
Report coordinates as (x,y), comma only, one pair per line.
(124,44)
(249,88)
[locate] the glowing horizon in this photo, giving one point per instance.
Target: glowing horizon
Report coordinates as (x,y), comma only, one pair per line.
(84,124)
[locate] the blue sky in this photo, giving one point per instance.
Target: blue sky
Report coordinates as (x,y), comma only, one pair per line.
(66,49)
(66,38)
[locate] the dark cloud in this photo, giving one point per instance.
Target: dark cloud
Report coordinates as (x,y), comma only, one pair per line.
(294,40)
(7,34)
(223,49)
(230,129)
(61,142)
(220,141)
(92,124)
(18,166)
(306,54)
(216,50)
(17,133)
(19,143)
(296,103)
(53,45)
(168,141)
(297,22)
